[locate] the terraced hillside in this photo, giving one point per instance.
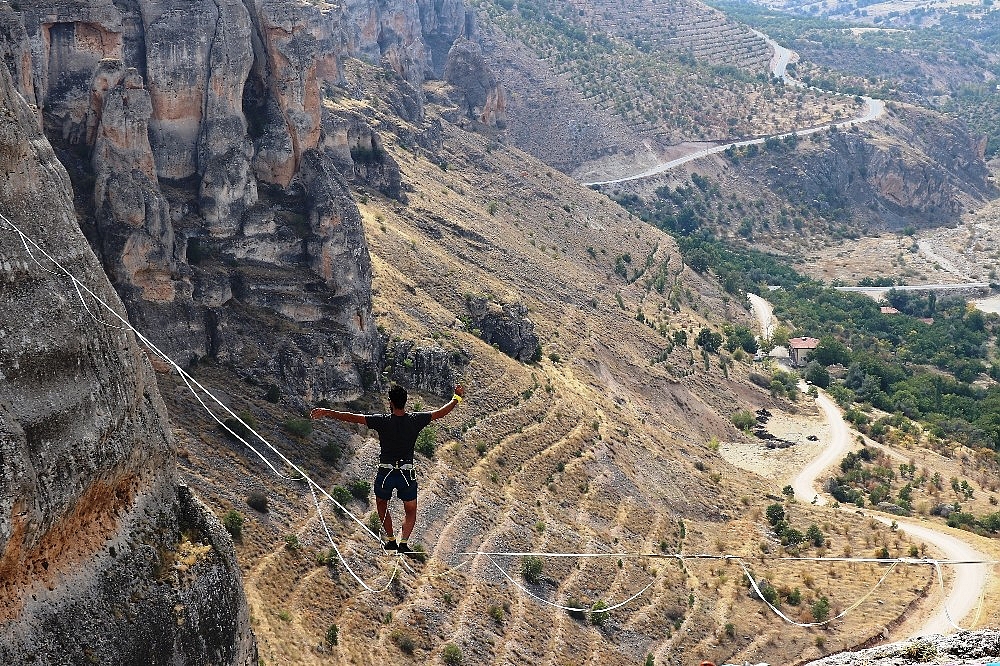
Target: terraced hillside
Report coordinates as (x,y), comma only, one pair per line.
(685,28)
(605,444)
(665,72)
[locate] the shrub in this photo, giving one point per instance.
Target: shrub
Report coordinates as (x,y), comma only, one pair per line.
(730,630)
(775,514)
(580,613)
(452,655)
(331,453)
(821,609)
(531,569)
(300,427)
(496,612)
(359,488)
(239,428)
(292,542)
(233,522)
(273,393)
(257,501)
(332,634)
(597,613)
(744,419)
(815,535)
(427,441)
(649,660)
(794,598)
(404,641)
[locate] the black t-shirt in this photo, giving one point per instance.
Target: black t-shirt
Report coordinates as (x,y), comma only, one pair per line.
(397,435)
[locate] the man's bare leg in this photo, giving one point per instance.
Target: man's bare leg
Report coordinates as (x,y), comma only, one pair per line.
(382,506)
(410,519)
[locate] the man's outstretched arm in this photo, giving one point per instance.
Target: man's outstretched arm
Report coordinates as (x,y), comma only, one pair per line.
(450,405)
(349,417)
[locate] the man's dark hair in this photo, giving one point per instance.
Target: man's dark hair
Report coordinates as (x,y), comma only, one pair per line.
(397,396)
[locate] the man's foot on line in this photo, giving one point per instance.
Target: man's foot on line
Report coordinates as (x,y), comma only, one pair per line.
(403,547)
(390,545)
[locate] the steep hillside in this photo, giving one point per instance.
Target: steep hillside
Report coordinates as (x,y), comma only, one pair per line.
(304,202)
(602,445)
(104,556)
(630,81)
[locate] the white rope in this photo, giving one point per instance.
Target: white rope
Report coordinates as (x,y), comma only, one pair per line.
(189,380)
(560,606)
(847,610)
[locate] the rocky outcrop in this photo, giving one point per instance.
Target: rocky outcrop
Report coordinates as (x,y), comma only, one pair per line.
(104,558)
(507,326)
(921,170)
(432,369)
(215,180)
(358,154)
(481,95)
(133,217)
(977,647)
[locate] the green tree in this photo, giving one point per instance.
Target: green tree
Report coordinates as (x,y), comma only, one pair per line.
(831,351)
(816,373)
(775,514)
(821,609)
(709,340)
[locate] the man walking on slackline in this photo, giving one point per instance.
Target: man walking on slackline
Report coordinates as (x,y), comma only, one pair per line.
(397,435)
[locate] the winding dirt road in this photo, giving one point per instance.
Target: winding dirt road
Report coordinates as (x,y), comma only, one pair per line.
(765,315)
(962,592)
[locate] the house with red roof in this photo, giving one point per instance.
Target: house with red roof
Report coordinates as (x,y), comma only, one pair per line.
(800,348)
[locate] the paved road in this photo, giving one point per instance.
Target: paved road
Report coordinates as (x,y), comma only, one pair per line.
(873,110)
(918,287)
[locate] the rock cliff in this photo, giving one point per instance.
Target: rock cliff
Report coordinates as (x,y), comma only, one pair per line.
(104,557)
(212,178)
(918,169)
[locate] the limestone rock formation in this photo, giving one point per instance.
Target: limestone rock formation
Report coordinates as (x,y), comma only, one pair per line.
(431,369)
(919,170)
(977,647)
(104,558)
(507,326)
(212,180)
(483,98)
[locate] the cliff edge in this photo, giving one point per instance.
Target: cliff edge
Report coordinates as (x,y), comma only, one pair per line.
(104,557)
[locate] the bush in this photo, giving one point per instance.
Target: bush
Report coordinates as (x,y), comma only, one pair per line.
(775,514)
(580,613)
(299,427)
(292,542)
(744,419)
(821,609)
(427,441)
(331,453)
(452,655)
(531,569)
(404,641)
(359,488)
(332,634)
(496,612)
(597,613)
(273,393)
(239,428)
(233,522)
(257,501)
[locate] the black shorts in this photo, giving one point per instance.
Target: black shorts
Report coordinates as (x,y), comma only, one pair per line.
(404,481)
